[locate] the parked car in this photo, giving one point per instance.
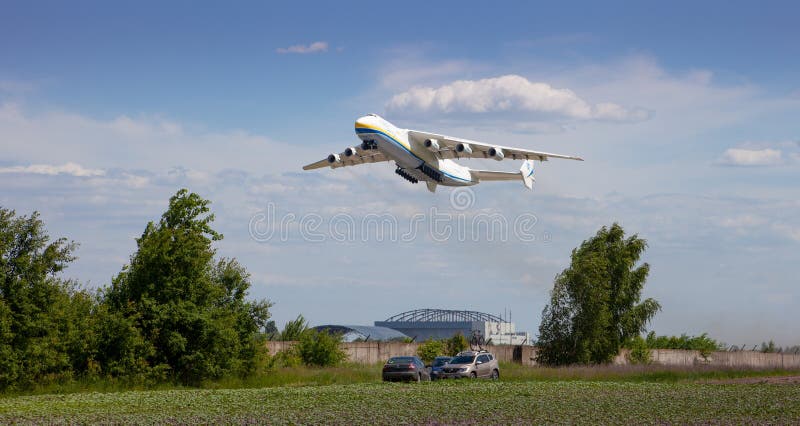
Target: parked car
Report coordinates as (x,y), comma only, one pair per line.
(436,366)
(408,368)
(471,364)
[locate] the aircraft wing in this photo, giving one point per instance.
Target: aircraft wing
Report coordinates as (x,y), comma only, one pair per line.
(450,147)
(348,157)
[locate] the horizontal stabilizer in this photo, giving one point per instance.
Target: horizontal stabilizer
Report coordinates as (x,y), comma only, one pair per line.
(525,173)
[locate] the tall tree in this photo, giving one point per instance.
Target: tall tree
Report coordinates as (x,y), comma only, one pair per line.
(191,309)
(595,303)
(43,319)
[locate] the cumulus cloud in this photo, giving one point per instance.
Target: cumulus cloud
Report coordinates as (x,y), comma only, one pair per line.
(315,47)
(47,169)
(508,93)
(751,157)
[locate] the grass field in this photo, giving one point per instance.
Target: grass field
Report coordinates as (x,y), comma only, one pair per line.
(353,394)
(361,373)
(470,402)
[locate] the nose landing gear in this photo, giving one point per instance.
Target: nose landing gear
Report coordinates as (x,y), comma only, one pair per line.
(369,144)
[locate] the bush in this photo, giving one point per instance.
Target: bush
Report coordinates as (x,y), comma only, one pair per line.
(639,352)
(702,343)
(286,358)
(456,344)
(320,348)
(430,349)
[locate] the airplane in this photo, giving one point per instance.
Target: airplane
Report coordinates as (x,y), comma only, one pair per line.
(428,157)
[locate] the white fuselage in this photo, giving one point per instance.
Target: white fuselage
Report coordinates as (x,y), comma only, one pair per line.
(409,154)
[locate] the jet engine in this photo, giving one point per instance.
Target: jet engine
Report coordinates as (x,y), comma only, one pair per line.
(464,147)
(350,151)
(432,144)
(496,153)
(334,158)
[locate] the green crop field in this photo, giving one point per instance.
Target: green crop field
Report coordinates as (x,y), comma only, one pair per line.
(472,402)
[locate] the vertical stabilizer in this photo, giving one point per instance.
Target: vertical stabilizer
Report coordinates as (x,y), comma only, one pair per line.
(527,174)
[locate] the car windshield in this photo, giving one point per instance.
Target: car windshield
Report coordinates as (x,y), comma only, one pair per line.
(464,359)
(440,362)
(400,360)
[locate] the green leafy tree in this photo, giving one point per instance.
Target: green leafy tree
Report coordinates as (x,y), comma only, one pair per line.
(44,325)
(769,347)
(186,312)
(456,344)
(430,349)
(294,329)
(320,348)
(595,303)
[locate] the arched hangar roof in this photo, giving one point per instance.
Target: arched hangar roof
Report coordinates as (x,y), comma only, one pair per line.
(443,315)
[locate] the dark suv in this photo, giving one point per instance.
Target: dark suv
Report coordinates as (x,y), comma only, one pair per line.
(472,364)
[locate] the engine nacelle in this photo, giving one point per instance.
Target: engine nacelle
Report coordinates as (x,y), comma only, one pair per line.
(496,153)
(350,151)
(334,158)
(464,147)
(432,144)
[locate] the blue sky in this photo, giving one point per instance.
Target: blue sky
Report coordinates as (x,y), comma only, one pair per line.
(107,109)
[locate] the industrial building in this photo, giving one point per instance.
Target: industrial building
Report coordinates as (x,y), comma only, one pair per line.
(421,324)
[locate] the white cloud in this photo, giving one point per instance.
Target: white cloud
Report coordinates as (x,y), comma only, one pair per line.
(508,93)
(47,169)
(315,47)
(751,157)
(150,143)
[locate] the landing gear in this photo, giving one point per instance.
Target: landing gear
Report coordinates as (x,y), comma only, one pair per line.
(431,172)
(369,144)
(405,175)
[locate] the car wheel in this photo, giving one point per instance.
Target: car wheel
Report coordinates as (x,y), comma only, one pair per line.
(495,374)
(473,375)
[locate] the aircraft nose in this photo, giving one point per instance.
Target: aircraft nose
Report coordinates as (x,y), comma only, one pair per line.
(362,121)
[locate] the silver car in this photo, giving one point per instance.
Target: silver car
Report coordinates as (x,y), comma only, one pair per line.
(471,364)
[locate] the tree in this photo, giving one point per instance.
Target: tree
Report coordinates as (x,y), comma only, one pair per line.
(189,310)
(595,303)
(456,344)
(430,349)
(45,327)
(294,329)
(271,330)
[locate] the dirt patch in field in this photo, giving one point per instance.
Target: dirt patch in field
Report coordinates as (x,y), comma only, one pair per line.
(776,380)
